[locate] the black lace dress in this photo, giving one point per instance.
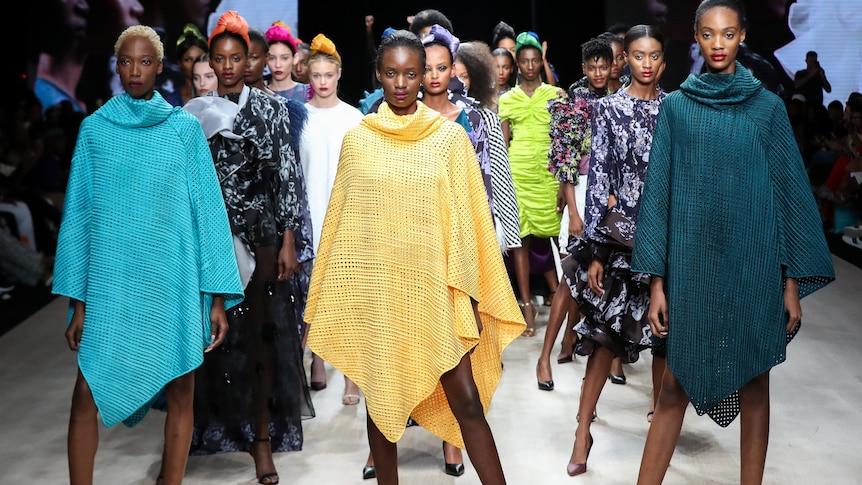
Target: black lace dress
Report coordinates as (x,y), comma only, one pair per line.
(257,376)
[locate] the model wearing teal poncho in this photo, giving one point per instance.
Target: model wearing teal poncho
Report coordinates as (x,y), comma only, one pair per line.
(726,215)
(145,244)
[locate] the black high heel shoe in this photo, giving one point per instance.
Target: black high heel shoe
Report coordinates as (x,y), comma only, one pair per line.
(544,385)
(615,379)
(369,472)
(453,469)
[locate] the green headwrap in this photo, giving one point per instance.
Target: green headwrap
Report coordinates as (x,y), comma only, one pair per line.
(526,39)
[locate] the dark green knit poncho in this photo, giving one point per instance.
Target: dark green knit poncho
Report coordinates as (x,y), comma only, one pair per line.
(727,213)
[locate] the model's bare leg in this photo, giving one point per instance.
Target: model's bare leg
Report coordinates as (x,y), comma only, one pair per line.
(351,394)
(657,368)
(754,428)
(318,373)
(452,454)
(570,336)
(522,277)
(664,431)
(464,401)
(560,307)
(598,365)
(179,423)
(83,439)
(384,455)
(551,278)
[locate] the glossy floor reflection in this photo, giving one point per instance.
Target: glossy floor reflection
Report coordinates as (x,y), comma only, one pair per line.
(815,437)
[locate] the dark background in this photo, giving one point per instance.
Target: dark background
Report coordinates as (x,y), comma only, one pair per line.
(564,24)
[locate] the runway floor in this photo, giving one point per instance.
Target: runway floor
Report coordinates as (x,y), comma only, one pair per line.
(816,434)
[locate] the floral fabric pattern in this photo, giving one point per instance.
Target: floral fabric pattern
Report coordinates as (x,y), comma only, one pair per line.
(569,154)
(621,132)
(263,190)
(258,173)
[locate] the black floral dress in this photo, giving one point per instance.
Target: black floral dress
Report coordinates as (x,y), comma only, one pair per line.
(622,128)
(257,375)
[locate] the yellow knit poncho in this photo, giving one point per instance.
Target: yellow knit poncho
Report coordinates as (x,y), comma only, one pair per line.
(407,242)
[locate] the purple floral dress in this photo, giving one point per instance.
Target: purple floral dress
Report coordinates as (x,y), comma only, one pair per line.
(570,133)
(622,129)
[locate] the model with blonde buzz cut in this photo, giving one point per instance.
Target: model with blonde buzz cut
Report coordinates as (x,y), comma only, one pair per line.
(141,31)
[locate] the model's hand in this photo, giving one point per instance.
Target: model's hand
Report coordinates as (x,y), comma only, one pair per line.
(658,316)
(369,22)
(595,276)
(287,263)
(561,198)
(791,304)
(76,327)
(576,224)
(544,49)
(218,318)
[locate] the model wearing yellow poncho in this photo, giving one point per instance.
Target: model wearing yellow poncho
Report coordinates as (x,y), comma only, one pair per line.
(407,243)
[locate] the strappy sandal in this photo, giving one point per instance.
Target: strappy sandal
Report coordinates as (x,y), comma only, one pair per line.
(270,478)
(529,331)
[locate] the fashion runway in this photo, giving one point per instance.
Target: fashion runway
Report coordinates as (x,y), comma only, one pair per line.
(815,427)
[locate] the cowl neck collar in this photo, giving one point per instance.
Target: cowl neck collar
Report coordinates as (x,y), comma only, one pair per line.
(412,127)
(126,111)
(722,89)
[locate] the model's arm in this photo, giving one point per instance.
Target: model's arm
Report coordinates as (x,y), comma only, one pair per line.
(76,326)
(576,224)
(370,45)
(791,303)
(658,315)
(549,72)
(286,198)
(218,319)
(506,133)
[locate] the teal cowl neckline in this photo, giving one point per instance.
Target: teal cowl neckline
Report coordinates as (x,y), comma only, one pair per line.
(722,89)
(126,111)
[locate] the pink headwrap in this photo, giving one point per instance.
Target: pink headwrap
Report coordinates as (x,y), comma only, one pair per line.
(280,32)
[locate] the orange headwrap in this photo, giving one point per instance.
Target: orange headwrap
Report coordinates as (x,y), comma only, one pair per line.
(231,21)
(321,43)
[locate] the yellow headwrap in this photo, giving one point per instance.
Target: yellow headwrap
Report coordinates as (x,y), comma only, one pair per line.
(321,43)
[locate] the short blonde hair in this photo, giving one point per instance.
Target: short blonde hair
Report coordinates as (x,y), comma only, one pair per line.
(141,31)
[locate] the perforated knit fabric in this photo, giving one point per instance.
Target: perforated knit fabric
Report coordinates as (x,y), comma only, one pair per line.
(144,243)
(726,215)
(407,243)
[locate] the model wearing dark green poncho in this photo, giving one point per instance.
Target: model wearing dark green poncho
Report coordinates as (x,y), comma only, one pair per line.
(726,215)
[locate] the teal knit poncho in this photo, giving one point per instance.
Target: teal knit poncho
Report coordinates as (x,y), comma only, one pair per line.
(727,213)
(145,244)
